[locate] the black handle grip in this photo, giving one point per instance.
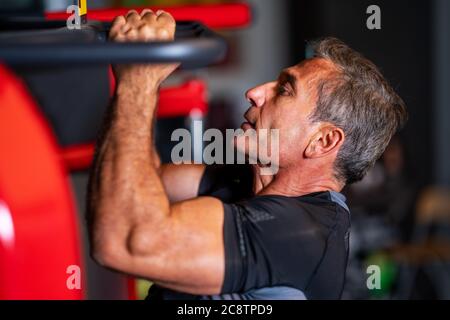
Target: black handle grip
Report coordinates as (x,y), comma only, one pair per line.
(195,45)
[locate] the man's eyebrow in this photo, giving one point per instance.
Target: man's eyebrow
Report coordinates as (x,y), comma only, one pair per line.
(286,76)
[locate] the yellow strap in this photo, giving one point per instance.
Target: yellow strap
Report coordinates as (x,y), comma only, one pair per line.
(83,7)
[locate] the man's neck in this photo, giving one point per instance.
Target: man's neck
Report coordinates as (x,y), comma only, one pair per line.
(293,182)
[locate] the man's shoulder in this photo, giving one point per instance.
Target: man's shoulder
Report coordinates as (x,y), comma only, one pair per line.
(317,211)
(310,203)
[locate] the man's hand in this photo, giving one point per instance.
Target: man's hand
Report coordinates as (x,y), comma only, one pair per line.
(145,27)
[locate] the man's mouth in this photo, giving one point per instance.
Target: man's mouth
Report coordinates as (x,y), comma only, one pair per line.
(247,125)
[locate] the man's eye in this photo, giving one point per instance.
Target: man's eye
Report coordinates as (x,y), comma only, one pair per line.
(282,90)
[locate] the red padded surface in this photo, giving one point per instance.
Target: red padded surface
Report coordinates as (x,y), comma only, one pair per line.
(43,239)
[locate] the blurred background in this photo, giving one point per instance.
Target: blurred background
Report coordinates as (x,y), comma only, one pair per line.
(400,211)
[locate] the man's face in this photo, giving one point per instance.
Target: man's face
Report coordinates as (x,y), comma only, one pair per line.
(285,104)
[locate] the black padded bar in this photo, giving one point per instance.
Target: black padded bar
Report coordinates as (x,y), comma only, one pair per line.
(17,23)
(194,46)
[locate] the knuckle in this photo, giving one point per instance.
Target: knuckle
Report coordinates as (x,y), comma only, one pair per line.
(119,19)
(119,38)
(148,15)
(133,16)
(163,33)
(147,33)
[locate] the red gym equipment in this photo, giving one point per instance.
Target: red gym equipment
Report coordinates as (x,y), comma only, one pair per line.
(43,238)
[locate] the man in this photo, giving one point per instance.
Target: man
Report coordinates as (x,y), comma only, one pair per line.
(224,232)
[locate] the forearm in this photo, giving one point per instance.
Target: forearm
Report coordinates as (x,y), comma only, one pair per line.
(125,189)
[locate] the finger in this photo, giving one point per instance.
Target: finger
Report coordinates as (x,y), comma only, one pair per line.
(125,28)
(164,17)
(134,21)
(133,17)
(147,33)
(132,35)
(132,13)
(119,20)
(120,37)
(163,34)
(149,17)
(117,25)
(143,12)
(113,34)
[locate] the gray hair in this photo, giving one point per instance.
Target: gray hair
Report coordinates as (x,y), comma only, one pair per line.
(359,100)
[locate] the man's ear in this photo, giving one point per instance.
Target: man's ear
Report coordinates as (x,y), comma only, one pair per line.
(326,140)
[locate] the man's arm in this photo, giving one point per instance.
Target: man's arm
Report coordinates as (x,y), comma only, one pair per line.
(181,182)
(133,226)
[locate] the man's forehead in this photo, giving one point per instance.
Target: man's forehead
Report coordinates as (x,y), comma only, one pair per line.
(309,67)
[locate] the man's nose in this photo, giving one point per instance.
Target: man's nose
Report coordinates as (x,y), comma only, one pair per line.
(257,95)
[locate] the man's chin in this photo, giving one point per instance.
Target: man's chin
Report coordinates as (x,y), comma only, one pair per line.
(237,145)
(241,145)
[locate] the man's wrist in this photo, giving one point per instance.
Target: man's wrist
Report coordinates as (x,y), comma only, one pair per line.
(136,102)
(138,85)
